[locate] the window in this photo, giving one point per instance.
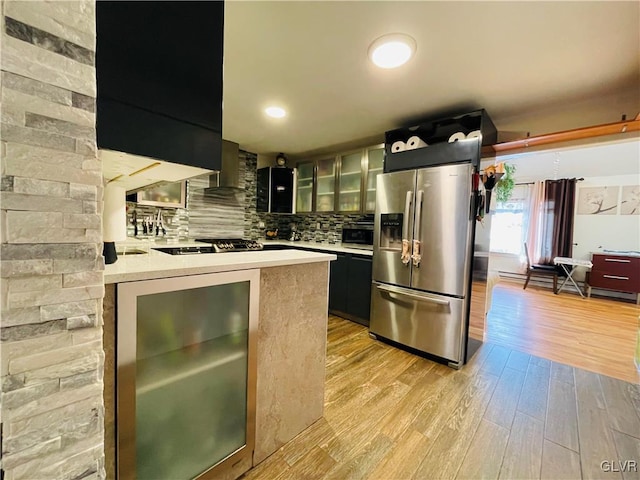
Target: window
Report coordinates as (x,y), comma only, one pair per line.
(509,222)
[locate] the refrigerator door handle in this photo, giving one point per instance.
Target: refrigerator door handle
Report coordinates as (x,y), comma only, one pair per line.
(416,256)
(405,255)
(411,294)
(407,207)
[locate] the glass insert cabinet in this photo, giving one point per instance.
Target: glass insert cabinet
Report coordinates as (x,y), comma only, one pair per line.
(343,183)
(350,184)
(186,375)
(325,185)
(304,200)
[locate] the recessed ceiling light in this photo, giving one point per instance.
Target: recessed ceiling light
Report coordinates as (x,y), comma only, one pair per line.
(275,112)
(392,50)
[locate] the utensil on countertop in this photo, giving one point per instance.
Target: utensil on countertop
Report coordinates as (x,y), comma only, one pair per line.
(134,220)
(160,224)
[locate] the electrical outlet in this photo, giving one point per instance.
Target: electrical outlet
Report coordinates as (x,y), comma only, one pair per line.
(318,225)
(260,224)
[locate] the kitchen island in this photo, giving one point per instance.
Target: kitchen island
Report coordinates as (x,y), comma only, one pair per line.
(290,335)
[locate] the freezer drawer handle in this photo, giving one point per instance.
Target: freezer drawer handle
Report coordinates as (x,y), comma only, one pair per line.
(617,260)
(412,295)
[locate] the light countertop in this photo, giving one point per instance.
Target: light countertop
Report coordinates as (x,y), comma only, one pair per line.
(327,247)
(147,266)
(146,244)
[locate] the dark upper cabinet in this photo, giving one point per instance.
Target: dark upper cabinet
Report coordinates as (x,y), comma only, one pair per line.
(159,75)
(276,190)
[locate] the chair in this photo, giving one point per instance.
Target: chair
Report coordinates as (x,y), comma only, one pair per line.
(540,270)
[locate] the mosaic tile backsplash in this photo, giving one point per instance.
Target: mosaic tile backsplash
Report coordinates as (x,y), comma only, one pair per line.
(231,213)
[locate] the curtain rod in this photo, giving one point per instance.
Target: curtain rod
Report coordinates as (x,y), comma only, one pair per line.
(531,183)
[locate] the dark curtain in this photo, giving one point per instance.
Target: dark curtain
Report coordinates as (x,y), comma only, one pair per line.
(559,201)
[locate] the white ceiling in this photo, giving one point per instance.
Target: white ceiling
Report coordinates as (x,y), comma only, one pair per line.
(536,67)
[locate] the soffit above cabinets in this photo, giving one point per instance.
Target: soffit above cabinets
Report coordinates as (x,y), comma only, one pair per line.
(134,172)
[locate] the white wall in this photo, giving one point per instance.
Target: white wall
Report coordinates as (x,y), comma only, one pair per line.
(267,161)
(595,233)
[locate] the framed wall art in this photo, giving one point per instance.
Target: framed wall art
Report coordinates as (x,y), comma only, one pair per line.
(598,200)
(630,202)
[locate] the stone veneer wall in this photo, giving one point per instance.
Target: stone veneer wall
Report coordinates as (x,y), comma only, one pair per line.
(51,265)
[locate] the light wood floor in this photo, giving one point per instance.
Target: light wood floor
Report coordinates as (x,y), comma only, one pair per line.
(595,334)
(392,415)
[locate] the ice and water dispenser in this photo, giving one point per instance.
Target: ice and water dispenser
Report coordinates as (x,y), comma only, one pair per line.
(391,231)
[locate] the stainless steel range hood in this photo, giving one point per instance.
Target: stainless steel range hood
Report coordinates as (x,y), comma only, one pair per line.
(229,174)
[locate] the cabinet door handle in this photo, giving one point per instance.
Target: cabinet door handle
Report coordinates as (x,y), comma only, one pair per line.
(616,277)
(617,260)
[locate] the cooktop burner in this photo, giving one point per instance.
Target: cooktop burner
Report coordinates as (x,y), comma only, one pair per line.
(185,250)
(231,244)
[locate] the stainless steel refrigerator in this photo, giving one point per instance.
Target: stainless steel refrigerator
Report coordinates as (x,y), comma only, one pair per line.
(422,259)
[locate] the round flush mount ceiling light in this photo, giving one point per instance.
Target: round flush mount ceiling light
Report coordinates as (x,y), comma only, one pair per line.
(275,112)
(392,50)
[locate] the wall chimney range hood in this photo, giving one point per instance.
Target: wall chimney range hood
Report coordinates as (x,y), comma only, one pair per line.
(229,174)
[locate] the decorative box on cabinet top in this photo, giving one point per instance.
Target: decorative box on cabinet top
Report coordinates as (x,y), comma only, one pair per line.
(439,141)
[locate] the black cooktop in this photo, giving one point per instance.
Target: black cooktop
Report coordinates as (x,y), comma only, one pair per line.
(185,250)
(215,245)
(231,244)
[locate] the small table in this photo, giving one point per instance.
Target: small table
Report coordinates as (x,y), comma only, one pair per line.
(574,263)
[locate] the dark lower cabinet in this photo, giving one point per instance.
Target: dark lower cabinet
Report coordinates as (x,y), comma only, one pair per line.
(350,287)
(338,280)
(359,288)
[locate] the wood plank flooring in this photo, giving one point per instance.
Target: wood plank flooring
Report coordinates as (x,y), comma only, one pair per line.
(390,415)
(595,334)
